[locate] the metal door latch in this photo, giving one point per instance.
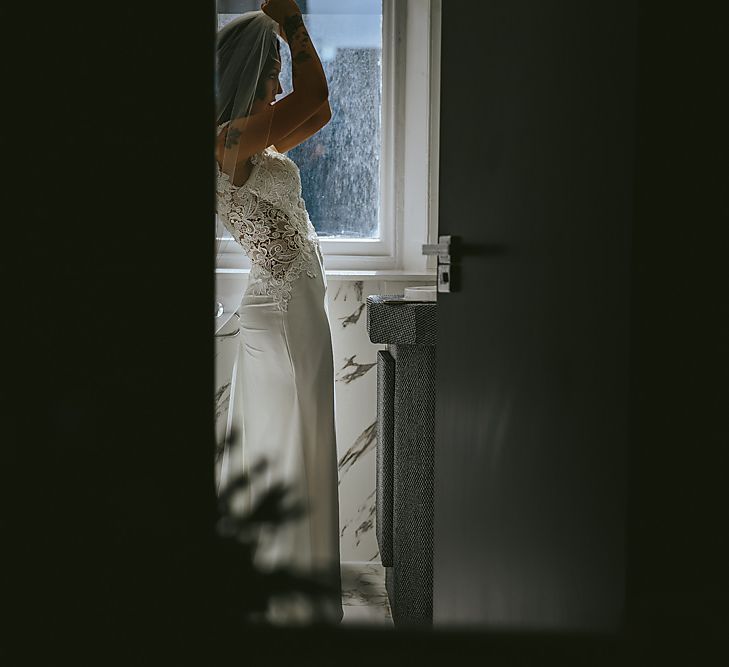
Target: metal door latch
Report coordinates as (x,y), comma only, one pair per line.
(446,250)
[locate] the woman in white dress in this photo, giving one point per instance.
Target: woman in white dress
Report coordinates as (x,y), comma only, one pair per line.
(285,365)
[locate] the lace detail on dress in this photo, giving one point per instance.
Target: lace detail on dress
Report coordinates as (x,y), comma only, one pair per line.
(268,217)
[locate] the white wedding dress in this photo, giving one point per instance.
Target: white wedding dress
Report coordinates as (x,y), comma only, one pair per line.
(285,373)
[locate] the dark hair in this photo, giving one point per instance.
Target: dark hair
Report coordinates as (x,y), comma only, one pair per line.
(225,49)
(272,56)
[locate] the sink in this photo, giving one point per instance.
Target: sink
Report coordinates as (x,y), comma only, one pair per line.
(229,287)
(420,293)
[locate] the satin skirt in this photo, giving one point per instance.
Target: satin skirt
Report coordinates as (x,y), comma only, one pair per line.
(284,380)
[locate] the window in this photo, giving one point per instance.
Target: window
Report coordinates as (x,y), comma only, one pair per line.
(340,165)
(367,215)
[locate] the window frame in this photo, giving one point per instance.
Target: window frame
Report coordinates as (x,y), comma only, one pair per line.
(408,207)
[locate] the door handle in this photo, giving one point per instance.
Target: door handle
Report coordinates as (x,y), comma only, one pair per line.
(447,252)
(442,249)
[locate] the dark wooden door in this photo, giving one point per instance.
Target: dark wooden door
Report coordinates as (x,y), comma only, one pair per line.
(536,177)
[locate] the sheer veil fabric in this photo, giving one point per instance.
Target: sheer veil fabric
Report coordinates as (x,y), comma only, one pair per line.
(282,391)
(242,47)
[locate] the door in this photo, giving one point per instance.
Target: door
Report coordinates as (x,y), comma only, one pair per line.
(536,176)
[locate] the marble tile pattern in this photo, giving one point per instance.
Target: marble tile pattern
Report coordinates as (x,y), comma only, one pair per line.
(355,389)
(364,598)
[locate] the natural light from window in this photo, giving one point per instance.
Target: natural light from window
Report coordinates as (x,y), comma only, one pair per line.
(340,164)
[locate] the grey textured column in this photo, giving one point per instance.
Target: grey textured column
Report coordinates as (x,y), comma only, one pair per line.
(409,330)
(385,454)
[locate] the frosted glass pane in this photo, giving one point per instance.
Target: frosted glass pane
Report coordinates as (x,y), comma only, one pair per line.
(340,164)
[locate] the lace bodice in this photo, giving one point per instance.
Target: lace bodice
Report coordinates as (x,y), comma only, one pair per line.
(268,217)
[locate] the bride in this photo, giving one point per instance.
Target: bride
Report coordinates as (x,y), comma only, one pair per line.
(285,364)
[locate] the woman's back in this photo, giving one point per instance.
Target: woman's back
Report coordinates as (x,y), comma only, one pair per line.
(267,216)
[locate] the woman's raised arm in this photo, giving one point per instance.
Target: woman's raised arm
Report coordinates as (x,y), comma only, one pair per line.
(252,134)
(306,69)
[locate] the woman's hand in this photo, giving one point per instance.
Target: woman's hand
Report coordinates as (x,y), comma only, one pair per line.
(280,10)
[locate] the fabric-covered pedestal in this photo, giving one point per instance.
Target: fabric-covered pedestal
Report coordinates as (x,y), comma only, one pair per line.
(405,451)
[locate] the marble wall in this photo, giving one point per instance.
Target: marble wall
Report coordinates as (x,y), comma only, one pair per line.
(355,361)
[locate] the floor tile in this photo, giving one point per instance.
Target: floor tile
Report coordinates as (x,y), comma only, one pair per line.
(364,597)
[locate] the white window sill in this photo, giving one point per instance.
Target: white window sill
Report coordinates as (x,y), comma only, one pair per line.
(342,274)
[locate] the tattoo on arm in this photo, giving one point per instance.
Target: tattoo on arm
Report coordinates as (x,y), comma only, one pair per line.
(231,139)
(292,24)
(301,57)
(299,41)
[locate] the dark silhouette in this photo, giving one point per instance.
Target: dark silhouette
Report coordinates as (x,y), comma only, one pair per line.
(251,589)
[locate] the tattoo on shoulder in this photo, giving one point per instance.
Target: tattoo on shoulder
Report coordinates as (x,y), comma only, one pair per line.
(232,137)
